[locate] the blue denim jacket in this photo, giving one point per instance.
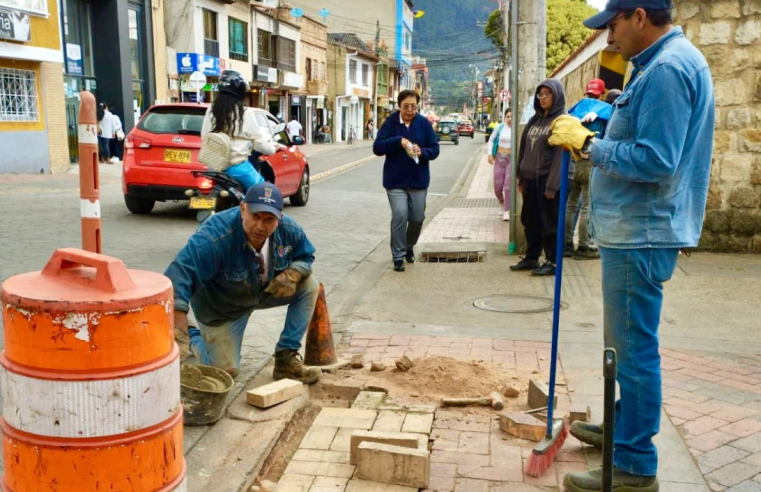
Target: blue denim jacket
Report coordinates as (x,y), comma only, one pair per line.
(216,271)
(650,182)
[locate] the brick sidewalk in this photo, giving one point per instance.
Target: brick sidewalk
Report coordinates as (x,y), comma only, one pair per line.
(715,402)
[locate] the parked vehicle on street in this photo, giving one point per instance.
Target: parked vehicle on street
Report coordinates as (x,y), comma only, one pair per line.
(466,128)
(161,153)
(446,131)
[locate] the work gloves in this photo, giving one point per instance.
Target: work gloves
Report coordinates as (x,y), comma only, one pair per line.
(183,341)
(568,132)
(284,285)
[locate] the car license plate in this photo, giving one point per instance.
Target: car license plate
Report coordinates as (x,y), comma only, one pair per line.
(445,137)
(202,203)
(171,155)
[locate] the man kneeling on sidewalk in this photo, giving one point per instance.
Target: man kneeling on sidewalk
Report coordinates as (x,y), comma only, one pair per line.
(240,261)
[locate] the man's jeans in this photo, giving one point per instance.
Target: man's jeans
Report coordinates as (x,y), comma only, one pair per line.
(220,346)
(580,188)
(632,289)
(407,216)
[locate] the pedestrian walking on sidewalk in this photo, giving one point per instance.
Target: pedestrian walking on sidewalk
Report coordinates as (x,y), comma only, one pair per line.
(239,261)
(594,114)
(538,171)
(105,133)
(409,143)
(116,143)
(499,147)
(649,189)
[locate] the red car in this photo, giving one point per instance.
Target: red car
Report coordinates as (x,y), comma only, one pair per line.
(466,128)
(161,153)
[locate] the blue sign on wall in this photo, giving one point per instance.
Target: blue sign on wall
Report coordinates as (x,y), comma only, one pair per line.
(194,62)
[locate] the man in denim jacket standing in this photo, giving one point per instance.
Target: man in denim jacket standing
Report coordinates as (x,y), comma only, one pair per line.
(648,188)
(241,260)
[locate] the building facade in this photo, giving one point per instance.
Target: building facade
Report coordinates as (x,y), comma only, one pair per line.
(32,110)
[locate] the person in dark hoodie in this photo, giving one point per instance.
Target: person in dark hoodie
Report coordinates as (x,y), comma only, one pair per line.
(408,141)
(538,172)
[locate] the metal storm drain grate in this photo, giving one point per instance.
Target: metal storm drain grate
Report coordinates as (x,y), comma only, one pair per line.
(516,304)
(453,257)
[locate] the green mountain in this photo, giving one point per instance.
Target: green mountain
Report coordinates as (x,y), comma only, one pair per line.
(450,36)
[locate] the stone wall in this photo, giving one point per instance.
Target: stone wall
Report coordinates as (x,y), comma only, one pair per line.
(729,35)
(575,83)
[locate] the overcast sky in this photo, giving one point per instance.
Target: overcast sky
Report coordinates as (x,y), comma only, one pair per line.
(599,4)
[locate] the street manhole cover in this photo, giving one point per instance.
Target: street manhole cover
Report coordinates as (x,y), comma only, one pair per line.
(516,304)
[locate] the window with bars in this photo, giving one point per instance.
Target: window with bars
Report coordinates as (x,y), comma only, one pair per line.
(18,95)
(323,71)
(286,54)
(353,71)
(210,39)
(365,75)
(238,40)
(309,69)
(265,48)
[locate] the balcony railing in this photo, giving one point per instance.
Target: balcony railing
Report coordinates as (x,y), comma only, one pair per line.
(265,62)
(211,47)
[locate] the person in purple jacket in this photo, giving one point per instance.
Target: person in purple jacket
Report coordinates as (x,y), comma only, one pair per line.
(408,141)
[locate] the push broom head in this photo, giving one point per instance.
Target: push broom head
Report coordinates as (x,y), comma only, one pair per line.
(547,450)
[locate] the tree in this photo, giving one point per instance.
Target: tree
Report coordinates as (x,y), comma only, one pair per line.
(565,31)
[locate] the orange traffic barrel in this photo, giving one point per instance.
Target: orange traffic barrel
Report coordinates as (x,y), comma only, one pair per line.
(90,378)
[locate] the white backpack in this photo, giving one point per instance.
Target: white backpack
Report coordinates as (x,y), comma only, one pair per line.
(215,151)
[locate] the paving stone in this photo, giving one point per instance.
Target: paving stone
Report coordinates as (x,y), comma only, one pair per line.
(722,456)
(314,468)
(751,444)
(359,485)
(471,485)
(474,442)
(463,459)
(682,413)
(369,400)
(393,464)
(746,486)
(579,412)
(329,484)
(442,484)
(418,422)
(754,459)
(538,394)
(517,487)
(732,474)
(319,437)
(445,470)
(356,418)
(522,426)
(294,483)
(421,408)
(274,393)
(743,428)
(321,456)
(715,439)
(389,421)
(703,425)
(496,473)
(505,455)
(459,425)
(342,441)
(402,439)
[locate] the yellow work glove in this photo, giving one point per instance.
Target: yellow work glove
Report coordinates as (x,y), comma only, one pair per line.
(284,285)
(568,132)
(183,342)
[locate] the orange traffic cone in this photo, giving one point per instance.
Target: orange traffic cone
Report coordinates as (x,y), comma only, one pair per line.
(320,350)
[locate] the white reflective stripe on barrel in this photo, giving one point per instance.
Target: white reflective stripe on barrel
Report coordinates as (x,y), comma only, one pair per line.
(88,134)
(88,209)
(98,408)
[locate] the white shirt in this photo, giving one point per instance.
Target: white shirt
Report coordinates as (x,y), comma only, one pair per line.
(107,129)
(247,137)
(265,255)
(116,122)
(294,128)
(505,138)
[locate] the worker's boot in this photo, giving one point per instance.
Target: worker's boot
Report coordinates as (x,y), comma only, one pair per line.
(587,433)
(289,364)
(591,481)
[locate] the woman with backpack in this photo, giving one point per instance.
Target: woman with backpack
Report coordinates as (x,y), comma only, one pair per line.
(499,147)
(231,130)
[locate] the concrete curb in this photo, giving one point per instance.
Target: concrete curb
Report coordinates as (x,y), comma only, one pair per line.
(340,169)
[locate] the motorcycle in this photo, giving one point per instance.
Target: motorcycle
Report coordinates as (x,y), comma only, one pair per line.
(227,192)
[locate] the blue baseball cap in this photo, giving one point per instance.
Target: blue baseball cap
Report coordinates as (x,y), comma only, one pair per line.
(265,197)
(614,7)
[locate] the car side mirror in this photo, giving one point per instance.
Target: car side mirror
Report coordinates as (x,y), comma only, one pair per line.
(298,140)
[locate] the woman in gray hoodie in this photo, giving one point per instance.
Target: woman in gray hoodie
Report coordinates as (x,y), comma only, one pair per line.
(538,172)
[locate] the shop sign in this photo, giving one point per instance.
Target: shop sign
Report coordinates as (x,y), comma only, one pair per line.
(265,74)
(188,63)
(31,6)
(74,59)
(294,80)
(14,25)
(321,103)
(296,100)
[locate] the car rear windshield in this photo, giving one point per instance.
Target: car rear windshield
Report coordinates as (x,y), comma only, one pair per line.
(177,120)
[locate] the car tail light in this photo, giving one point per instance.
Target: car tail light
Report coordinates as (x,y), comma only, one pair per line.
(206,184)
(135,142)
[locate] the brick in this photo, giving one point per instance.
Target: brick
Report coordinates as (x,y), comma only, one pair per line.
(579,412)
(732,474)
(402,439)
(294,483)
(274,393)
(369,400)
(711,440)
(389,421)
(319,437)
(721,457)
(743,428)
(323,469)
(329,484)
(474,442)
(496,473)
(522,426)
(418,422)
(703,425)
(359,485)
(538,394)
(321,456)
(355,418)
(393,464)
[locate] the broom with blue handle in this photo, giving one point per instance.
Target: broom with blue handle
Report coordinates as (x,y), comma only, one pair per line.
(547,450)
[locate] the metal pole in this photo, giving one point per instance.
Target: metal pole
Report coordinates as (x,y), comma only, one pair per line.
(513,32)
(89,179)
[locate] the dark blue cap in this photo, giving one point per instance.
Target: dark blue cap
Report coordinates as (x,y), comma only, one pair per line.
(614,7)
(265,197)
